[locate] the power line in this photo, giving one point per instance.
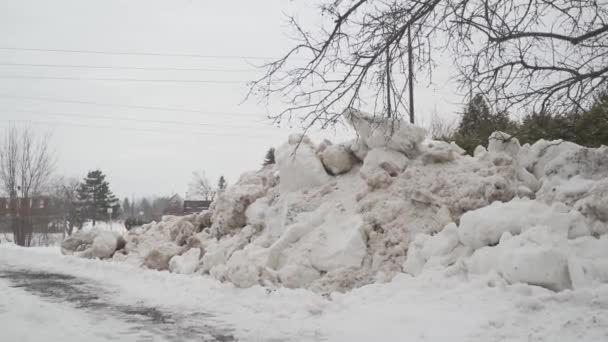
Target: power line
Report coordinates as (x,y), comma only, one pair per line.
(119,67)
(107,117)
(198,133)
(171,109)
(100,52)
(19,77)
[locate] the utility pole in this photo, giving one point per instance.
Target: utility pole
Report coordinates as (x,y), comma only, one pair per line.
(388,81)
(410,63)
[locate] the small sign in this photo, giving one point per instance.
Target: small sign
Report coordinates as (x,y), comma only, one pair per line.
(110,210)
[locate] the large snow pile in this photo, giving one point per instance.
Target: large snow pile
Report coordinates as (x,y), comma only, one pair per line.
(337,216)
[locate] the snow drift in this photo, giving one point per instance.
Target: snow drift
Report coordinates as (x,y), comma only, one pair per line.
(332,217)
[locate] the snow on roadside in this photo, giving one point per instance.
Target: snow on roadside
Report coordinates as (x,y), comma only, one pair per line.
(436,306)
(27,318)
(336,217)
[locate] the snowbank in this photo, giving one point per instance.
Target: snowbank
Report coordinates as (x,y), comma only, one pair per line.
(485,226)
(334,217)
(185,263)
(93,243)
(299,166)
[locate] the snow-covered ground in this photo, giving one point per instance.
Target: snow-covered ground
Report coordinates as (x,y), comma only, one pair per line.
(435,306)
(333,217)
(385,237)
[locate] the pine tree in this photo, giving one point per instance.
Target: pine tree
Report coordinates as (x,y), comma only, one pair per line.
(95,197)
(269,158)
(591,126)
(478,123)
(221,183)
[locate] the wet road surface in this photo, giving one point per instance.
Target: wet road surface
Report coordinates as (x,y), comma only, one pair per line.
(147,323)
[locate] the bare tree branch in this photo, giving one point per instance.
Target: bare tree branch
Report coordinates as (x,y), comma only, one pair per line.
(520,54)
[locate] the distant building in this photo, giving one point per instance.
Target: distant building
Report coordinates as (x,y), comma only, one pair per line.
(38,206)
(196,206)
(174,206)
(41,210)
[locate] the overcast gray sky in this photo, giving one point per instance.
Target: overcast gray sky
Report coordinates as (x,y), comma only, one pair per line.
(148,136)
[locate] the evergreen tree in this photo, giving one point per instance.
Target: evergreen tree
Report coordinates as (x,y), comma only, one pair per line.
(591,127)
(96,198)
(221,183)
(587,128)
(478,123)
(269,158)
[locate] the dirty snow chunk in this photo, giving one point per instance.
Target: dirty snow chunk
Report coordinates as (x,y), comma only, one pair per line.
(528,179)
(104,245)
(438,151)
(484,226)
(248,267)
(337,159)
(536,157)
(359,149)
(595,205)
(586,273)
(293,233)
(539,256)
(203,220)
(256,212)
(544,266)
(377,132)
(158,258)
(323,145)
(591,163)
(241,271)
(231,204)
(299,167)
(338,243)
(588,196)
(382,159)
(588,262)
(181,229)
(218,252)
(426,246)
(79,241)
(480,151)
(296,276)
(457,149)
(500,142)
(185,263)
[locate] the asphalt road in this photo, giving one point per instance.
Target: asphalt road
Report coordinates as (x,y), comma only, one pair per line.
(146,323)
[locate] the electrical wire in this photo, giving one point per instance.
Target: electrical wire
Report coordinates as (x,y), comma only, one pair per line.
(121,67)
(107,117)
(171,109)
(20,77)
(126,53)
(164,131)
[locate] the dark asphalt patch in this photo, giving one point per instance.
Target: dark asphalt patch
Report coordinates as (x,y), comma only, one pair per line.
(95,300)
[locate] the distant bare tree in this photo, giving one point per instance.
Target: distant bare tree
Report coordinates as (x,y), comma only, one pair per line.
(536,54)
(200,186)
(441,129)
(65,192)
(26,164)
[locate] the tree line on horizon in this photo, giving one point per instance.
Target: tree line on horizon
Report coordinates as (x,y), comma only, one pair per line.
(478,121)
